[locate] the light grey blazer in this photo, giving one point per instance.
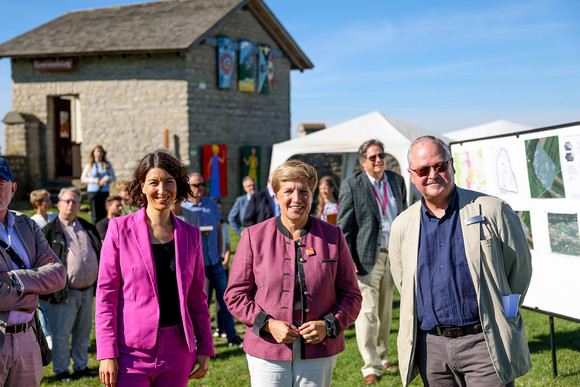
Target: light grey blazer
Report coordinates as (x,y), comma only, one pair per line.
(500,263)
(42,277)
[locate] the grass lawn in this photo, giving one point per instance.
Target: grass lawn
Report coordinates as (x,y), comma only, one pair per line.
(229,367)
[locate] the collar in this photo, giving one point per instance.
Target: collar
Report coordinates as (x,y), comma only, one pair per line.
(9,218)
(248,196)
(452,206)
(373,180)
(66,223)
(270,191)
(286,233)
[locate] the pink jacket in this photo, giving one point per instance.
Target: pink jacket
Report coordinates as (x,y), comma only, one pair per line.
(127,305)
(262,282)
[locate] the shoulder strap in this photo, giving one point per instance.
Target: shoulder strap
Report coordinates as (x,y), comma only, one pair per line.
(15,258)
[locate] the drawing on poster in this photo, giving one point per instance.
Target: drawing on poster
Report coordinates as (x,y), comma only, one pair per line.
(544,169)
(527,226)
(564,237)
(506,178)
(470,170)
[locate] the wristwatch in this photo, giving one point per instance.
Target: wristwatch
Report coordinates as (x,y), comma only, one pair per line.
(16,282)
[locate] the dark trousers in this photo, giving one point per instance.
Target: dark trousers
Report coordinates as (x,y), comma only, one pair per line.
(97,202)
(216,277)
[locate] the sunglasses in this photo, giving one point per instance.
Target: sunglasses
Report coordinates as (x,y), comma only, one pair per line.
(381,156)
(196,185)
(439,167)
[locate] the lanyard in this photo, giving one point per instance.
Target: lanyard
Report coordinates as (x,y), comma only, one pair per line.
(383,206)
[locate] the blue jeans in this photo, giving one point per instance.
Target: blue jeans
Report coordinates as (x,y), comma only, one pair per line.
(74,317)
(219,281)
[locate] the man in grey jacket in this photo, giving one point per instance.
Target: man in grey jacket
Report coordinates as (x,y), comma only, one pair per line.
(28,267)
(368,203)
(455,255)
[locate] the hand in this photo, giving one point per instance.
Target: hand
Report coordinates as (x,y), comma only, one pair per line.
(5,277)
(201,371)
(282,331)
(313,332)
(108,371)
(103,181)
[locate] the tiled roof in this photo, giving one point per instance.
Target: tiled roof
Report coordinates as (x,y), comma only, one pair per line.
(161,26)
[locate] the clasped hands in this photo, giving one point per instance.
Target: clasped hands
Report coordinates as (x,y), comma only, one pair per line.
(313,332)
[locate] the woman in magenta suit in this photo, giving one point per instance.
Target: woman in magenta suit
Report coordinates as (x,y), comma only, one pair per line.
(152,321)
(293,284)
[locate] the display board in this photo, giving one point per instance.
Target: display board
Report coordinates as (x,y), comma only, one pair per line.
(538,173)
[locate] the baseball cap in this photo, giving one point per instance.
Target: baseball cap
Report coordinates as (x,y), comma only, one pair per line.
(5,171)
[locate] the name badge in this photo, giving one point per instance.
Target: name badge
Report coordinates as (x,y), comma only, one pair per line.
(474,219)
(386,227)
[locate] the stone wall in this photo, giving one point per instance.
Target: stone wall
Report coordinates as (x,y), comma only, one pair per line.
(125,103)
(232,117)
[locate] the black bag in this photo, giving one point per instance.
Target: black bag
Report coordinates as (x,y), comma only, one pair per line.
(45,351)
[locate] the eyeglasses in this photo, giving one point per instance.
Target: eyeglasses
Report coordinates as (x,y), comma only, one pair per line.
(381,156)
(196,185)
(439,167)
(69,201)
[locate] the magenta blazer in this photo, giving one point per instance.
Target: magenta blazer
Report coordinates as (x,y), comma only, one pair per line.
(262,282)
(127,304)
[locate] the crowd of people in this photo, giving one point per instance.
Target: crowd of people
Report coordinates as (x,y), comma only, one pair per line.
(304,271)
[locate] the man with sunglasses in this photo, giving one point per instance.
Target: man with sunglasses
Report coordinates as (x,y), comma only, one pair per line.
(454,256)
(368,202)
(78,245)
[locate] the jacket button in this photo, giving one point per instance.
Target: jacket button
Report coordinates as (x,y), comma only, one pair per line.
(410,342)
(411,311)
(299,244)
(307,310)
(306,293)
(301,260)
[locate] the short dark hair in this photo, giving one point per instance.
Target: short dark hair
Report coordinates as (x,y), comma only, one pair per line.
(163,160)
(362,150)
(112,199)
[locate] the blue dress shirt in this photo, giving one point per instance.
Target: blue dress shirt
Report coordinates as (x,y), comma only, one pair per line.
(445,291)
(208,214)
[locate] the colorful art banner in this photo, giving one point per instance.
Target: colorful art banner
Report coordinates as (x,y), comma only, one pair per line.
(215,170)
(226,61)
(252,162)
(265,69)
(246,67)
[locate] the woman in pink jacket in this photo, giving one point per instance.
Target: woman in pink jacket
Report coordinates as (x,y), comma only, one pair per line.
(152,321)
(293,284)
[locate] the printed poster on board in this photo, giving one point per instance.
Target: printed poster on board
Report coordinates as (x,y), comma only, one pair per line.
(226,60)
(246,67)
(215,170)
(265,69)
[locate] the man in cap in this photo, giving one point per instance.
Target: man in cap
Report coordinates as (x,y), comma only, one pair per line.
(28,267)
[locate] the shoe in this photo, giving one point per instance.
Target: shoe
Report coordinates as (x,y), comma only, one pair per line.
(223,335)
(216,334)
(85,373)
(236,342)
(64,377)
(370,379)
(388,367)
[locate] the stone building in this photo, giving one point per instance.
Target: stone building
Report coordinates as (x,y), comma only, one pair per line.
(140,77)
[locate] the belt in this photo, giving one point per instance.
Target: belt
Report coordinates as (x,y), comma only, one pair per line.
(450,331)
(384,250)
(9,329)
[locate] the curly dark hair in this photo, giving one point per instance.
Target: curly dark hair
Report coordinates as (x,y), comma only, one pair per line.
(163,160)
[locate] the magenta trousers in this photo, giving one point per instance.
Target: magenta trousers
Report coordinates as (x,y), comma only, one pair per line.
(169,363)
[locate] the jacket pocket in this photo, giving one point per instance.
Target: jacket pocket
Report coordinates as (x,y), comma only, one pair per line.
(329,260)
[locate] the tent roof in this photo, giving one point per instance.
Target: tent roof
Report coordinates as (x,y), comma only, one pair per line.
(347,137)
(494,128)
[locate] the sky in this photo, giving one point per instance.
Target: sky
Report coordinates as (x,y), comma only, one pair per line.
(440,65)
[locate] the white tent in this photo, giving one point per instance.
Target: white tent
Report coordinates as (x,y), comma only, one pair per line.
(494,128)
(346,138)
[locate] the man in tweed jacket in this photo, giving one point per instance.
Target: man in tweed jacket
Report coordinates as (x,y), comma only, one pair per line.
(369,201)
